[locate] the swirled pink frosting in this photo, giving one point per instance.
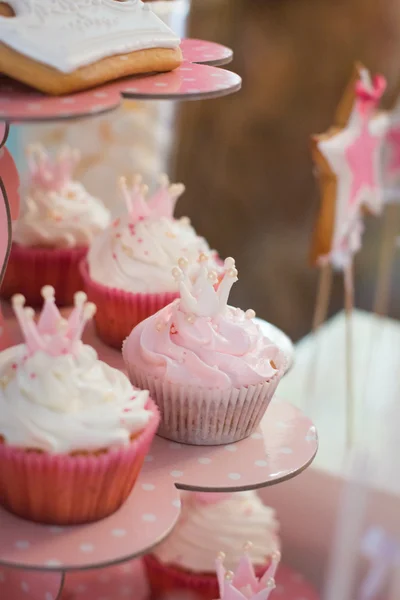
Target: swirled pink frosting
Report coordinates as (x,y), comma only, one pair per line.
(228,350)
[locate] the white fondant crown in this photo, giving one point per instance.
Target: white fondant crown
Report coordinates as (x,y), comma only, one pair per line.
(206,295)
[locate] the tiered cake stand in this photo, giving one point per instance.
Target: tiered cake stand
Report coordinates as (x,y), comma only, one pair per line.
(37,560)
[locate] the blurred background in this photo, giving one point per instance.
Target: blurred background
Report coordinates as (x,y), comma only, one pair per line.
(245,158)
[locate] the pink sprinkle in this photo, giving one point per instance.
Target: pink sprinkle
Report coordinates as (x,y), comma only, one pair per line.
(116,222)
(14,366)
(118,235)
(141,218)
(132,398)
(127,410)
(146,253)
(140,241)
(33,375)
(114,256)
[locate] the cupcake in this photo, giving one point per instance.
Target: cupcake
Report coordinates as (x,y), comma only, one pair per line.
(128,269)
(185,561)
(52,235)
(69,423)
(208,366)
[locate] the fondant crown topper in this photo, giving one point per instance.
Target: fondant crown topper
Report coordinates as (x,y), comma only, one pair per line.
(52,333)
(207,293)
(243,584)
(160,204)
(51,174)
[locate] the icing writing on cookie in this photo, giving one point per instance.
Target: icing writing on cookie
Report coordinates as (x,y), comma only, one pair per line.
(81,32)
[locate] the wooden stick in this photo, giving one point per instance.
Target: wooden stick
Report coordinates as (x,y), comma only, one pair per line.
(390,231)
(320,313)
(323,296)
(349,306)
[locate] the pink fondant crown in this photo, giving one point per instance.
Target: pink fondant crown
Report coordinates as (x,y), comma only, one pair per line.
(160,204)
(52,333)
(243,584)
(370,90)
(207,293)
(51,174)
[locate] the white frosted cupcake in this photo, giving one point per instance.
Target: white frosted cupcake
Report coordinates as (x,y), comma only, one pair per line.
(208,366)
(73,431)
(58,222)
(210,523)
(128,268)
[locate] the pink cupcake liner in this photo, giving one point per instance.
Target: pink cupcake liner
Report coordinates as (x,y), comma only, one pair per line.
(164,579)
(118,311)
(30,268)
(75,488)
(203,416)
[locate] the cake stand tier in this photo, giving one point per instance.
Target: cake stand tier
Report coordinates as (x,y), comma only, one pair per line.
(205,53)
(16,584)
(284,445)
(191,81)
(8,175)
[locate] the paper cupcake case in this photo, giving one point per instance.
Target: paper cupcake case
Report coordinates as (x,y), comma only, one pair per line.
(164,579)
(71,489)
(202,416)
(118,312)
(30,268)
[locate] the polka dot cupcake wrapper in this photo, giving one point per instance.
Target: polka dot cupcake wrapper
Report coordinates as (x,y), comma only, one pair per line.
(203,417)
(68,490)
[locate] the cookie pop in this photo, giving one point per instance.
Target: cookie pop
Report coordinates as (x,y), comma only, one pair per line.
(348,163)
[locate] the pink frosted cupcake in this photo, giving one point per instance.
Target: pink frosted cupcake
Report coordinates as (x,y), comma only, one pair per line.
(53,233)
(207,365)
(128,269)
(185,561)
(73,431)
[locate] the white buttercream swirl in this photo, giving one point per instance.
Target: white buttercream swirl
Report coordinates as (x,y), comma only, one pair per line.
(69,403)
(139,257)
(204,529)
(68,218)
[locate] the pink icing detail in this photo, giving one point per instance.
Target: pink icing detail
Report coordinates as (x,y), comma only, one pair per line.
(52,334)
(51,174)
(361,153)
(140,241)
(244,584)
(182,344)
(160,204)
